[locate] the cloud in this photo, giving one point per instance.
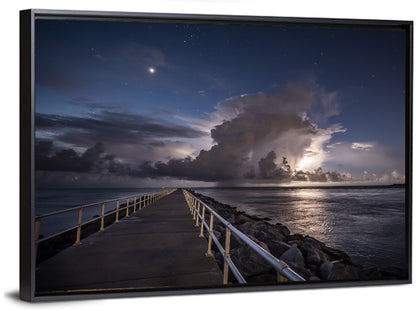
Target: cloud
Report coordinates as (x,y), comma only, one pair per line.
(68,160)
(251,132)
(131,138)
(393,177)
(374,158)
(110,126)
(362,146)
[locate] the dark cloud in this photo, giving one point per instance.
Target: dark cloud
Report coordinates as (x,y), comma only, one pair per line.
(113,127)
(269,170)
(68,160)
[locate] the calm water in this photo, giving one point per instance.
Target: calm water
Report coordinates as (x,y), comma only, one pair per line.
(50,200)
(367,223)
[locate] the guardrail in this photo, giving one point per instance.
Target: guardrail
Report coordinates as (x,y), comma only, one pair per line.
(144,199)
(195,204)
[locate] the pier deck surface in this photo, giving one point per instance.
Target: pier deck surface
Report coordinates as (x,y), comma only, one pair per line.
(157,247)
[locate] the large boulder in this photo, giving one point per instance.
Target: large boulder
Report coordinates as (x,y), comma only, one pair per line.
(325,269)
(283,229)
(311,250)
(262,231)
(248,261)
(293,256)
(295,237)
(336,255)
(339,271)
(312,242)
(277,248)
(315,257)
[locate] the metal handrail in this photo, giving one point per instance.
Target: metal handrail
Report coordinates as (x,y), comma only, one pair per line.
(144,200)
(280,266)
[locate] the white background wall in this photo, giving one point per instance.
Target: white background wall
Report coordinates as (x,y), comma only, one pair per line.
(368,298)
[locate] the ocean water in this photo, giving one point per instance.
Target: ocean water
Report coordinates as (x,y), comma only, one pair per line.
(369,224)
(50,200)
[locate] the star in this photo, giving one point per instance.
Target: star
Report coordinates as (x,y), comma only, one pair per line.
(152,70)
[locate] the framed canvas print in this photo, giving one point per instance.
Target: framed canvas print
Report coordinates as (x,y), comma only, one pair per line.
(170,154)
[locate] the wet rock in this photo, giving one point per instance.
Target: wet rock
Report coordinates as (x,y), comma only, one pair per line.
(354,271)
(338,270)
(283,229)
(295,242)
(249,262)
(262,231)
(217,234)
(315,257)
(293,256)
(309,241)
(325,269)
(235,241)
(277,248)
(240,219)
(335,254)
(293,237)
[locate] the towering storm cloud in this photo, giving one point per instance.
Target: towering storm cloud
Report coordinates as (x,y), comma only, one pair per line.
(255,133)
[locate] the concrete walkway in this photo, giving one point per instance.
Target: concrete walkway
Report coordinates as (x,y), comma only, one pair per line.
(156,247)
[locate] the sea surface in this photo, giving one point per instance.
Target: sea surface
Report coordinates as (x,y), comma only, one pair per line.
(51,200)
(367,223)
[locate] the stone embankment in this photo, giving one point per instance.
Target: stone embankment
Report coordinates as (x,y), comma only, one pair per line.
(309,257)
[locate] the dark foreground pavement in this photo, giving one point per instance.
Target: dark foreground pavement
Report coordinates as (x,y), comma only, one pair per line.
(157,247)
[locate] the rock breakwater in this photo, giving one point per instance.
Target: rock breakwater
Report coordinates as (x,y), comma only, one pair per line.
(312,259)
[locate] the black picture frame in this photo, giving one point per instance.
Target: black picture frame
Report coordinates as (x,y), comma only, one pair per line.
(27,141)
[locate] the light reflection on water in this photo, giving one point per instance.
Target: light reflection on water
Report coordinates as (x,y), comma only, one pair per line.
(367,223)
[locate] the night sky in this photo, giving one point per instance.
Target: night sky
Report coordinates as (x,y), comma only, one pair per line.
(135,104)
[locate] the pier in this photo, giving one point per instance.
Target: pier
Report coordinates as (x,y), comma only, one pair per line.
(163,241)
(158,246)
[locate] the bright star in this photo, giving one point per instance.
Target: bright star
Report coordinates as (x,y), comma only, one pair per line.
(152,70)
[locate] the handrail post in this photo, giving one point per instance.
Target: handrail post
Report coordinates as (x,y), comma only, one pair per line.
(140,203)
(134,208)
(194,207)
(201,235)
(78,240)
(227,254)
(102,217)
(37,229)
(211,225)
(127,207)
(118,206)
(197,215)
(281,278)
